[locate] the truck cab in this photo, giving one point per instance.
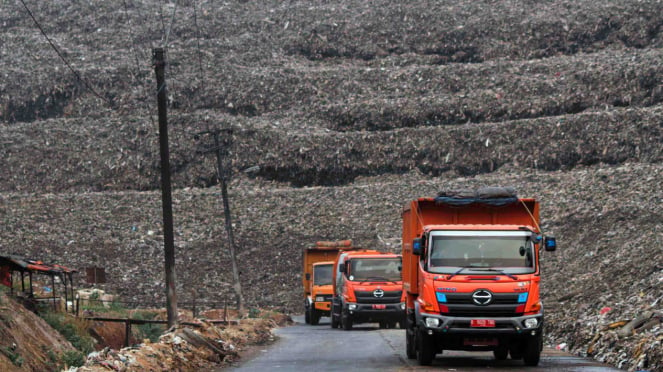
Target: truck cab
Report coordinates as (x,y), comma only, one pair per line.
(321,291)
(367,288)
(317,261)
(472,277)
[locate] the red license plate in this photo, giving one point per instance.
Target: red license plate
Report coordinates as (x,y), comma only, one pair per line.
(480,342)
(379,307)
(482,323)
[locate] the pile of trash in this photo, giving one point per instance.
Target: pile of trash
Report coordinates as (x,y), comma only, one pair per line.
(197,346)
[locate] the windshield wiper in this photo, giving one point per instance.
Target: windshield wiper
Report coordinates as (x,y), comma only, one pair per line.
(499,271)
(458,272)
(378,279)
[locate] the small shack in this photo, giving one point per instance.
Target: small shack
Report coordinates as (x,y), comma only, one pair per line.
(13,267)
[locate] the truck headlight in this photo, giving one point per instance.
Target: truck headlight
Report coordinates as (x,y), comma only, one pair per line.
(531,323)
(319,298)
(432,322)
(352,307)
(402,305)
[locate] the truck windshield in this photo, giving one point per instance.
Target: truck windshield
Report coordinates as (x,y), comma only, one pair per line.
(322,275)
(375,269)
(512,254)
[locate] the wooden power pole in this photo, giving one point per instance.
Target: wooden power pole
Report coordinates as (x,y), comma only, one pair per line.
(229,227)
(167,201)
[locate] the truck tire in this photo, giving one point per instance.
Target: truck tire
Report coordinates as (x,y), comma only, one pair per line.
(307,315)
(346,320)
(315,317)
(410,344)
(501,353)
(515,353)
(532,352)
(334,320)
(425,349)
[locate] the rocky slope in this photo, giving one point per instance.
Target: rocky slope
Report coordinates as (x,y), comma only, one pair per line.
(342,111)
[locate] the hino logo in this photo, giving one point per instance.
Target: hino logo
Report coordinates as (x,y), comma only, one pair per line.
(378,293)
(482,297)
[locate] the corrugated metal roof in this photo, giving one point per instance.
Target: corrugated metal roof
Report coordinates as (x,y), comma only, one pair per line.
(25,264)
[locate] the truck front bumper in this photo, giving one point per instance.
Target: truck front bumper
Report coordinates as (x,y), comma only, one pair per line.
(474,333)
(364,313)
(324,306)
(529,325)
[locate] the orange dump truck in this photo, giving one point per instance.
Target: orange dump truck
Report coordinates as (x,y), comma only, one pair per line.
(471,274)
(367,288)
(317,277)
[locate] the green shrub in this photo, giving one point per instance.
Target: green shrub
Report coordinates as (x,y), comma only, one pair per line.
(15,357)
(98,307)
(53,360)
(73,329)
(149,331)
(254,313)
(73,358)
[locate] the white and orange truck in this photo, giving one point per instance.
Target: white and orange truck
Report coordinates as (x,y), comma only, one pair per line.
(471,274)
(367,288)
(317,277)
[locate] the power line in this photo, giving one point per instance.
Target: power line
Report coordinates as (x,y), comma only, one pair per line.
(137,61)
(131,35)
(78,76)
(170,28)
(200,58)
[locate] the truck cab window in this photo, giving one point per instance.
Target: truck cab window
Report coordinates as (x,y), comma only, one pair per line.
(365,269)
(511,253)
(322,275)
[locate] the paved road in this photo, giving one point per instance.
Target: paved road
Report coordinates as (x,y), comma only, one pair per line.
(303,347)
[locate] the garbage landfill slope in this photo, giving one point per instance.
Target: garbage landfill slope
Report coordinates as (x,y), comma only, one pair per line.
(340,112)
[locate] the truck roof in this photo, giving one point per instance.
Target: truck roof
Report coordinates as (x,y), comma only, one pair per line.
(452,201)
(371,254)
(477,227)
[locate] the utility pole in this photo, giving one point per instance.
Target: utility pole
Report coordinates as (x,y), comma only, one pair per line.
(166,198)
(222,175)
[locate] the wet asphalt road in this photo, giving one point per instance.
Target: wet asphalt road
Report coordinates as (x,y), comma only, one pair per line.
(303,347)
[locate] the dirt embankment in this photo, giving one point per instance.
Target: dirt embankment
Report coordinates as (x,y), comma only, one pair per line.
(31,344)
(28,342)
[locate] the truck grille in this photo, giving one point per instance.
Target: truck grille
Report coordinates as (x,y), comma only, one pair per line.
(502,305)
(389,297)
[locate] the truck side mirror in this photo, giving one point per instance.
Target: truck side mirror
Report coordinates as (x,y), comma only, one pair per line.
(417,246)
(308,276)
(550,243)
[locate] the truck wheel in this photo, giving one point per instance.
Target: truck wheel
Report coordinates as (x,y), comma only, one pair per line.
(346,321)
(501,353)
(532,352)
(307,315)
(384,324)
(410,345)
(425,349)
(334,320)
(315,317)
